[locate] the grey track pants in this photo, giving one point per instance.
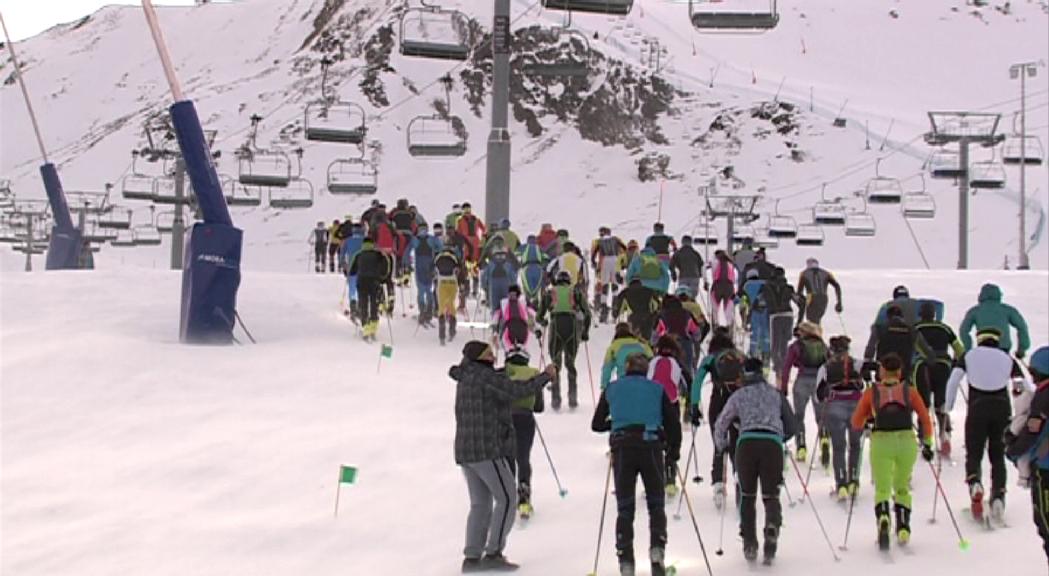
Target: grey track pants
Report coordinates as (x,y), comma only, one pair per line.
(804,390)
(490,483)
(837,415)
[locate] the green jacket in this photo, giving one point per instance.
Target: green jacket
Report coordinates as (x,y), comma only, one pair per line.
(618,352)
(523,373)
(992,313)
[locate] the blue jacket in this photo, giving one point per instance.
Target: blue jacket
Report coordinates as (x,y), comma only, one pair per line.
(661,285)
(992,313)
(424,271)
(637,409)
(350,247)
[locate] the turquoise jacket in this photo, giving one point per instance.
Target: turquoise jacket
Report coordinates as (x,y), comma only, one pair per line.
(661,285)
(618,352)
(992,313)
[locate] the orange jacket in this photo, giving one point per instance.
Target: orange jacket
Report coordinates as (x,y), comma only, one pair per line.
(865,411)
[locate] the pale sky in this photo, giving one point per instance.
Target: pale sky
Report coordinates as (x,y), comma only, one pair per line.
(25,18)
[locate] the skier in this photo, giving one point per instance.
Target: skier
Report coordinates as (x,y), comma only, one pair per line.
(678,323)
(723,290)
(778,295)
(931,374)
(449,272)
(319,239)
(724,364)
(451,221)
(367,217)
(1033,443)
(686,266)
(642,302)
(532,274)
(523,412)
(424,248)
(484,449)
(510,241)
(402,218)
(513,321)
(812,286)
(744,256)
(901,298)
(661,243)
(894,336)
(988,369)
(569,319)
(547,238)
(351,245)
(992,313)
(756,316)
(689,303)
(643,425)
(498,276)
(472,230)
(807,353)
(838,390)
(604,257)
(891,403)
(420,220)
(765,422)
(382,233)
(653,272)
(373,269)
(666,370)
(624,344)
(403,223)
(333,245)
(570,261)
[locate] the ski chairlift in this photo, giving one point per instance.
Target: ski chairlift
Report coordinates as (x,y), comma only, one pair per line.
(354,176)
(810,234)
(828,212)
(705,235)
(733,18)
(116,217)
(987,175)
(433,32)
(435,137)
(566,64)
(883,189)
(610,7)
(860,223)
(266,168)
(147,235)
(92,232)
(944,163)
(165,192)
(166,222)
(743,233)
(764,238)
(137,185)
(124,239)
(298,194)
(333,121)
(1022,150)
(780,225)
(919,204)
(93,203)
(239,195)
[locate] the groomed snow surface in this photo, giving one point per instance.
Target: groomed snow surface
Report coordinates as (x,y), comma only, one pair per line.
(125,452)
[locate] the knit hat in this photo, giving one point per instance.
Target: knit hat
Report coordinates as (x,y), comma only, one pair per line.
(900,292)
(988,334)
(753,366)
(1040,362)
(810,329)
(474,349)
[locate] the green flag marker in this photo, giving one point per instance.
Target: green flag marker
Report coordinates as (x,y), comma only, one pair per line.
(347,475)
(387,351)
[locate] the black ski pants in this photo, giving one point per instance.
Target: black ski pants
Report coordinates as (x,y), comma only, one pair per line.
(1040,505)
(718,398)
(988,417)
(931,379)
(524,429)
(319,260)
(333,257)
(643,324)
(629,461)
(564,346)
(759,460)
(369,293)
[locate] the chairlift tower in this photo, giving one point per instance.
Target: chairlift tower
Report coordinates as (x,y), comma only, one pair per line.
(964,128)
(732,208)
(1023,71)
(497,176)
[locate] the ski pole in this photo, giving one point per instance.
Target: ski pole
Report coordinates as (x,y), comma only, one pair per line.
(852,502)
(812,460)
(962,542)
(590,373)
(721,532)
(816,514)
(936,493)
(688,463)
(695,525)
(560,489)
(601,524)
(786,490)
(841,320)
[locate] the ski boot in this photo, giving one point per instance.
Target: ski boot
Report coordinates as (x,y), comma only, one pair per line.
(497,563)
(854,488)
(719,495)
(524,501)
(451,328)
(671,475)
(998,509)
(626,564)
(573,395)
(771,542)
(842,494)
(976,496)
(802,454)
(658,556)
(825,452)
(881,512)
(903,524)
(750,550)
(471,565)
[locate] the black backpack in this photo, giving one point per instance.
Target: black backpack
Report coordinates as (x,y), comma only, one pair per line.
(728,367)
(516,326)
(423,250)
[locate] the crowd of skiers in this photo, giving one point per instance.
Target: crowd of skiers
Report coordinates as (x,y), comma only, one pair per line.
(762,331)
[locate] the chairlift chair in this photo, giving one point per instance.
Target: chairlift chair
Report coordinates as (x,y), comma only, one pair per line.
(335,122)
(810,235)
(743,233)
(298,194)
(764,238)
(92,232)
(987,175)
(352,176)
(1022,150)
(266,168)
(782,226)
(116,218)
(860,223)
(828,212)
(124,239)
(883,189)
(239,195)
(94,203)
(918,204)
(944,163)
(147,235)
(432,32)
(166,222)
(733,16)
(610,7)
(434,137)
(705,235)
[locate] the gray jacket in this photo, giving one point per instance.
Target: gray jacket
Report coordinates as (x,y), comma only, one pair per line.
(484,398)
(759,408)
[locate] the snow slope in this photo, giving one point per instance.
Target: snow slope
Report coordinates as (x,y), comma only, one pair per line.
(94,84)
(127,453)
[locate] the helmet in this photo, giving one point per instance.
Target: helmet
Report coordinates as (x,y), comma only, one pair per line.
(1040,361)
(504,224)
(563,277)
(604,231)
(900,291)
(520,355)
(686,240)
(657,227)
(684,291)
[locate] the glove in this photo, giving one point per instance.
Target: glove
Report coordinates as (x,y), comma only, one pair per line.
(706,286)
(1020,354)
(697,415)
(927,452)
(585,337)
(839,308)
(673,276)
(870,368)
(538,334)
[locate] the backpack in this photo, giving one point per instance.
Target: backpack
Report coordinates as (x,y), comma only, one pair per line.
(892,406)
(651,267)
(562,299)
(660,243)
(842,374)
(446,265)
(515,325)
(471,224)
(776,296)
(729,368)
(423,250)
(813,352)
(500,265)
